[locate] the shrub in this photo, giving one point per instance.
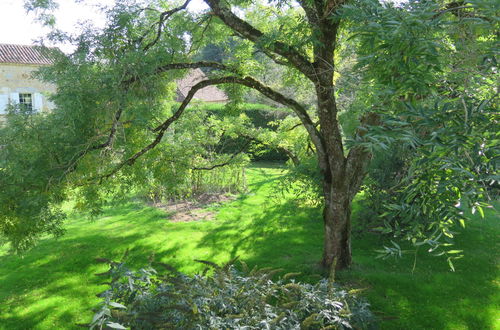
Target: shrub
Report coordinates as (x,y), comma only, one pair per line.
(226,299)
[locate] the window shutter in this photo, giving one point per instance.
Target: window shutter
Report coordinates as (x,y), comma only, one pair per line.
(14,98)
(37,102)
(4,101)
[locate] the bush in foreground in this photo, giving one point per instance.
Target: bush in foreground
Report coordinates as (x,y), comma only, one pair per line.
(226,299)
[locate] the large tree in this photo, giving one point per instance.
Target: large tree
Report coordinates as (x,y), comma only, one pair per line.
(117,77)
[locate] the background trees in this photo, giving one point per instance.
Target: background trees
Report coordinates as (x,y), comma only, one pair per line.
(406,68)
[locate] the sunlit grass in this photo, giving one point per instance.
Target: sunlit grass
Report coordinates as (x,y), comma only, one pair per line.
(54,287)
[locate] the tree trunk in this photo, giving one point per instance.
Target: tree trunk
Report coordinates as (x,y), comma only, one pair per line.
(337,226)
(342,173)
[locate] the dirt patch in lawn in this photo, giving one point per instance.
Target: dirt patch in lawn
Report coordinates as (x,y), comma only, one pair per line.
(193,210)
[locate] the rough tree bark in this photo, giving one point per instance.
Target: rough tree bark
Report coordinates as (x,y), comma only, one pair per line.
(342,175)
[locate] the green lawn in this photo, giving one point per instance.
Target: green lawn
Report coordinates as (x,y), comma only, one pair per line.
(54,287)
(434,297)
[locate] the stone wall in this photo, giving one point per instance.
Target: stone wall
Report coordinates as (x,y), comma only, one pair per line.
(17,78)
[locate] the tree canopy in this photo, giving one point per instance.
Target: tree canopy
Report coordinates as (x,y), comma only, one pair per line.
(360,77)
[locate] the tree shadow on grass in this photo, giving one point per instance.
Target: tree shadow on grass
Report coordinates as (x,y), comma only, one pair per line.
(279,236)
(46,277)
(50,286)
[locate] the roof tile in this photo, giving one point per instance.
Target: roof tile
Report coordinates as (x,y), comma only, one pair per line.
(23,54)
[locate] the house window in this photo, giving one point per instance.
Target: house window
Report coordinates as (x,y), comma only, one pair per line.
(26,101)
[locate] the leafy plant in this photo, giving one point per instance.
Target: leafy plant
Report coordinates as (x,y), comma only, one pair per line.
(226,299)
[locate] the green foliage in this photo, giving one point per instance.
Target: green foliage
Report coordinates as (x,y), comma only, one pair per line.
(109,100)
(303,181)
(422,191)
(192,159)
(147,299)
(42,161)
(398,47)
(265,119)
(27,208)
(384,174)
(456,164)
(248,108)
(431,79)
(101,118)
(419,291)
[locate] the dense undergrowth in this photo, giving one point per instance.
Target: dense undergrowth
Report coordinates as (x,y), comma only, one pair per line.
(224,297)
(54,285)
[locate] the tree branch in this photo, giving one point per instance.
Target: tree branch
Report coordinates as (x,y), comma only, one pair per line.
(249,32)
(275,58)
(194,65)
(71,165)
(250,82)
(180,66)
(112,132)
(126,83)
(163,17)
(160,129)
(246,81)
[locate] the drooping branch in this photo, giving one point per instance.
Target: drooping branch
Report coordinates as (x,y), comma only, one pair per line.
(72,163)
(112,131)
(160,130)
(187,65)
(245,81)
(299,110)
(126,84)
(251,33)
